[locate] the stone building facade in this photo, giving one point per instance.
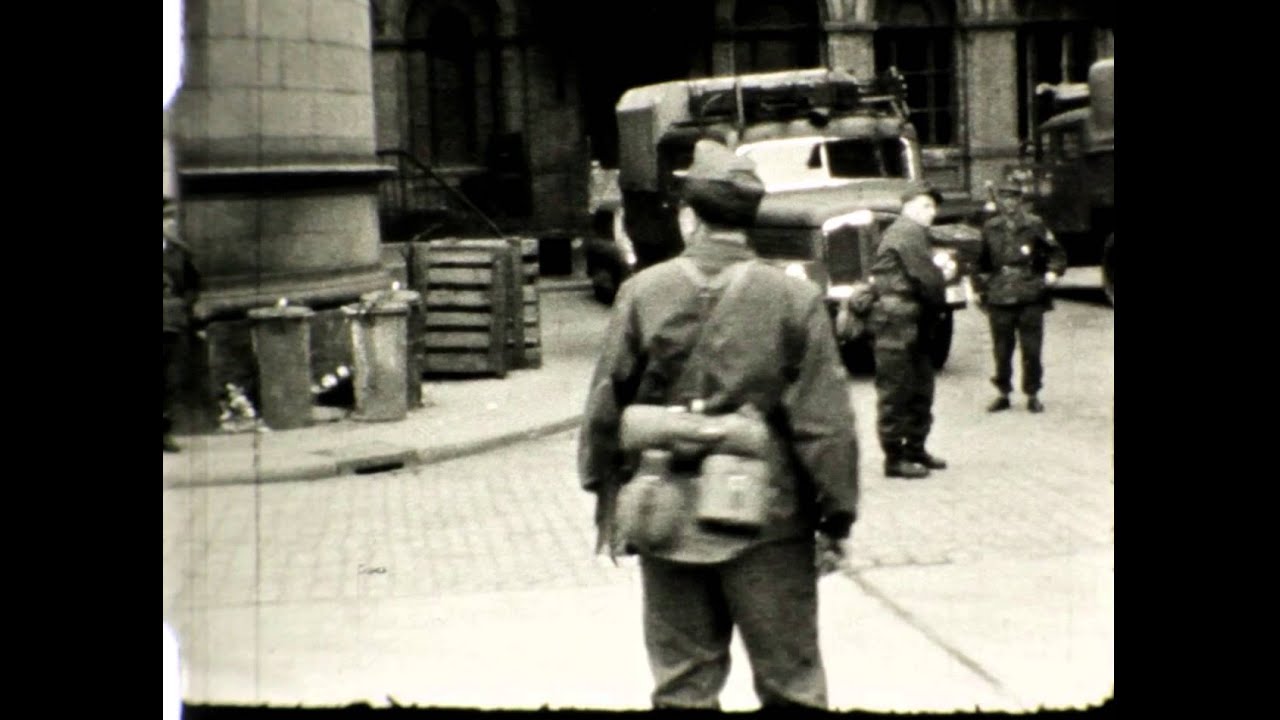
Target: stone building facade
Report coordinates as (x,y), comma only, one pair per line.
(526,88)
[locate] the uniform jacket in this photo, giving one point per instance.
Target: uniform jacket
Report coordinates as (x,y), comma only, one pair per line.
(908,283)
(773,346)
(1017,250)
(181,283)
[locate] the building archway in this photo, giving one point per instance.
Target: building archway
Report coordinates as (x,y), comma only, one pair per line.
(615,46)
(453,78)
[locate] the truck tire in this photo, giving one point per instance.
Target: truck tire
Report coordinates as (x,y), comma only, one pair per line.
(940,348)
(604,285)
(1109,270)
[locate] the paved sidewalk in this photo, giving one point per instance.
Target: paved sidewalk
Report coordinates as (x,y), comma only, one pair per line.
(458,417)
(989,588)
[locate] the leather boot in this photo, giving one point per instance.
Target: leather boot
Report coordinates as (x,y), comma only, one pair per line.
(1034,404)
(917,454)
(897,465)
(1000,403)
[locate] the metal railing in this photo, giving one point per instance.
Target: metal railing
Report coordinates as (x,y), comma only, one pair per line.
(414,192)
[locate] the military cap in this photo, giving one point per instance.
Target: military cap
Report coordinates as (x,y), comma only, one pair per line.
(721,187)
(916,190)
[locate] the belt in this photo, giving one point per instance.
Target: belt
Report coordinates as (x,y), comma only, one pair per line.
(1015,270)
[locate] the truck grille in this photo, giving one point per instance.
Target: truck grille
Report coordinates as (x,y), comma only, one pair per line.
(844,255)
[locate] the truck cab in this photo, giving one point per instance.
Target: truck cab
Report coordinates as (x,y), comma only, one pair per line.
(835,154)
(1071,171)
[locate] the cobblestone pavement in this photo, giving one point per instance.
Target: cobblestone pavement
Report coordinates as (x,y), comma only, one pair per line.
(434,584)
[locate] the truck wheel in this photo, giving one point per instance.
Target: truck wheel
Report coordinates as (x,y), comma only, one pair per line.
(942,333)
(604,286)
(1109,270)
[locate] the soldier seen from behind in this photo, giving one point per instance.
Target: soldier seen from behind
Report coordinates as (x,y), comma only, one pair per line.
(911,295)
(719,441)
(181,284)
(1019,262)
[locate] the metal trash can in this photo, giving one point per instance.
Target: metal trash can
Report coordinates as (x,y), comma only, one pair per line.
(282,347)
(379,344)
(416,325)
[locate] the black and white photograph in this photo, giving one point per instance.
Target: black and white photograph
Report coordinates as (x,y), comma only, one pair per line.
(629,355)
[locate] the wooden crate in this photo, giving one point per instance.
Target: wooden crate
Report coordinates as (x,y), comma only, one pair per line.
(528,261)
(468,293)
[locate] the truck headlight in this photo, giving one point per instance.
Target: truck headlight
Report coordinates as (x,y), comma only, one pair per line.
(796,270)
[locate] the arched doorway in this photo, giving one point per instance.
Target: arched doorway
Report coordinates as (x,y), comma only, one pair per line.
(616,46)
(452,77)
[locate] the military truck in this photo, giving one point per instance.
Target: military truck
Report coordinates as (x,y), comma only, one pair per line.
(835,154)
(1071,177)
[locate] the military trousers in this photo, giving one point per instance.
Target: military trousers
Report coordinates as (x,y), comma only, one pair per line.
(904,396)
(770,593)
(1013,325)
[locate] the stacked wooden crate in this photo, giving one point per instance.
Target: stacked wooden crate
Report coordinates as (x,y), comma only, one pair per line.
(481,306)
(528,263)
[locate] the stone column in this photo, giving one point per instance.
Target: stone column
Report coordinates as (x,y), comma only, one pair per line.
(274,141)
(274,132)
(851,49)
(992,92)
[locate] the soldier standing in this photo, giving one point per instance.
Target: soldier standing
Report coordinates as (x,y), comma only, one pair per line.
(181,283)
(911,292)
(772,350)
(1020,261)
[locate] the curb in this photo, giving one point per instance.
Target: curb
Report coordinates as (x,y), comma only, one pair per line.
(376,462)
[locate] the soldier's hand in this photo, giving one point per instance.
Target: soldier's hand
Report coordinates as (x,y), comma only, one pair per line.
(1051,278)
(833,554)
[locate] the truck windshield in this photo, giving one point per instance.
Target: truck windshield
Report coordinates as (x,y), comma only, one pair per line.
(796,163)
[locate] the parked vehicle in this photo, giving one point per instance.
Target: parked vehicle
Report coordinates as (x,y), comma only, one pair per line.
(835,154)
(1072,172)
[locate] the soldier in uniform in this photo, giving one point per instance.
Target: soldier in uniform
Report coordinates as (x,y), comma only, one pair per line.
(181,283)
(1020,261)
(774,350)
(911,292)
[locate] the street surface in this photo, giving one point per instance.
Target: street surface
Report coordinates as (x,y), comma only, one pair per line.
(471,582)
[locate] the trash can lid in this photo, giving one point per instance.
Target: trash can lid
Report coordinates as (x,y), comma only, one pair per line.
(383,307)
(276,312)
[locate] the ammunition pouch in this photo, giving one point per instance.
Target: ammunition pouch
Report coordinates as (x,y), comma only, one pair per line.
(895,320)
(714,469)
(734,492)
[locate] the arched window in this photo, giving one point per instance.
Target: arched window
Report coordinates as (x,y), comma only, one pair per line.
(450,88)
(1057,42)
(771,35)
(918,38)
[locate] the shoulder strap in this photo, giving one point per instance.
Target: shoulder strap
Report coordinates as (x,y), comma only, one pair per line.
(711,294)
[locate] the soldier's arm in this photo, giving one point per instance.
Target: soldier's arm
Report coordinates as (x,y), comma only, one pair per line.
(613,387)
(821,420)
(986,265)
(1056,256)
(191,281)
(917,261)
